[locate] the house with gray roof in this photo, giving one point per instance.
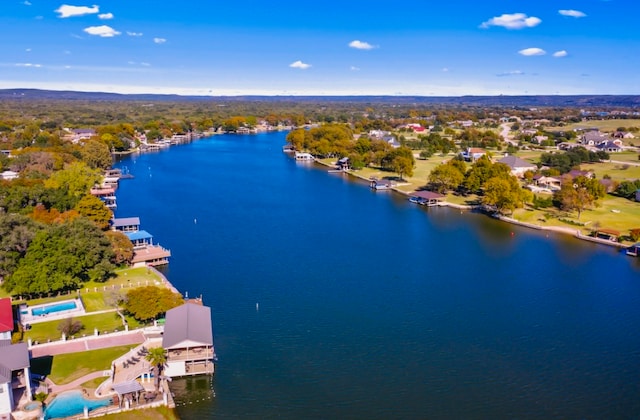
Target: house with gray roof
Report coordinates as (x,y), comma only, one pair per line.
(518,166)
(15,383)
(188,340)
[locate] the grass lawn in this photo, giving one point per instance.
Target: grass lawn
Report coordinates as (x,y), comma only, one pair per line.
(603,125)
(616,171)
(65,368)
(43,331)
(626,156)
(158,413)
(94,383)
(612,213)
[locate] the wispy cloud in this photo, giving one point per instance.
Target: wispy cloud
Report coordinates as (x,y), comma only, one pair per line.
(532,51)
(572,13)
(511,73)
(28,50)
(105,16)
(512,21)
(299,65)
(26,3)
(134,33)
(159,40)
(103,31)
(354,68)
(361,45)
(66,10)
(445,70)
(28,65)
(561,53)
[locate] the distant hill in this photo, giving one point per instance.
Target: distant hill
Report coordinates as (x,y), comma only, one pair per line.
(581,101)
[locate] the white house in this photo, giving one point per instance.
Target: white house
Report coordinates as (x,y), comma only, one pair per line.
(517,165)
(14,364)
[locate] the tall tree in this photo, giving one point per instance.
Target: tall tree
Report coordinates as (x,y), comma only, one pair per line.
(504,193)
(122,247)
(446,176)
(95,210)
(148,302)
(16,233)
(96,154)
(62,257)
(157,358)
(76,179)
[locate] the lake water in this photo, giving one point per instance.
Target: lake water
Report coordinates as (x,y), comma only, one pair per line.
(332,301)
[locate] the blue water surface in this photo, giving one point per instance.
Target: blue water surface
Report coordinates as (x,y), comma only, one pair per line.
(55,307)
(71,403)
(332,301)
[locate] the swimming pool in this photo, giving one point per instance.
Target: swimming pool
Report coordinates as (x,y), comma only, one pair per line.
(72,403)
(54,307)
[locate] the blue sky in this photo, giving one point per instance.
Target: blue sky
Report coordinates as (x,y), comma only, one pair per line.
(205,47)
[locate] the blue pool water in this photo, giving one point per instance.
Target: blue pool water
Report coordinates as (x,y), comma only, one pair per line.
(56,307)
(72,403)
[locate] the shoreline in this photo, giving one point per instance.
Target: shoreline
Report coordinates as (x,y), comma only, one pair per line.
(557,229)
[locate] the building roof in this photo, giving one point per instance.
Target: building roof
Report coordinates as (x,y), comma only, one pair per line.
(138,235)
(428,195)
(188,325)
(6,315)
(151,252)
(12,357)
(515,162)
(127,387)
(126,221)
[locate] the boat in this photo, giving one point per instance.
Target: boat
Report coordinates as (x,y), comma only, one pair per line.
(418,200)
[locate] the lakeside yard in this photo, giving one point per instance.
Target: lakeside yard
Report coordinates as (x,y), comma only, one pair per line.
(611,212)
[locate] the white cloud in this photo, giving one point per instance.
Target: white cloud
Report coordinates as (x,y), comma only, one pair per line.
(361,45)
(66,10)
(354,68)
(134,33)
(103,31)
(28,65)
(159,40)
(512,21)
(145,64)
(532,51)
(28,50)
(299,65)
(511,73)
(561,53)
(572,13)
(105,16)
(445,70)
(26,3)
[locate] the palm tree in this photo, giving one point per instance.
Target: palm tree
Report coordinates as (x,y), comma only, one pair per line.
(157,358)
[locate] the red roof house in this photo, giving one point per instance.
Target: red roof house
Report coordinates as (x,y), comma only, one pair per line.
(6,318)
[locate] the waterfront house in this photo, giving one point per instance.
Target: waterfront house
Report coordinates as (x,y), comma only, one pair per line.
(140,238)
(428,198)
(150,255)
(518,166)
(188,340)
(303,156)
(607,234)
(6,319)
(609,146)
(550,182)
(343,164)
(126,224)
(381,184)
(107,195)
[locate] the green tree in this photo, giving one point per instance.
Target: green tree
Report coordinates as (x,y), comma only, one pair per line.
(62,257)
(76,179)
(148,302)
(399,160)
(16,233)
(579,194)
(95,210)
(157,358)
(504,193)
(96,154)
(122,247)
(446,176)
